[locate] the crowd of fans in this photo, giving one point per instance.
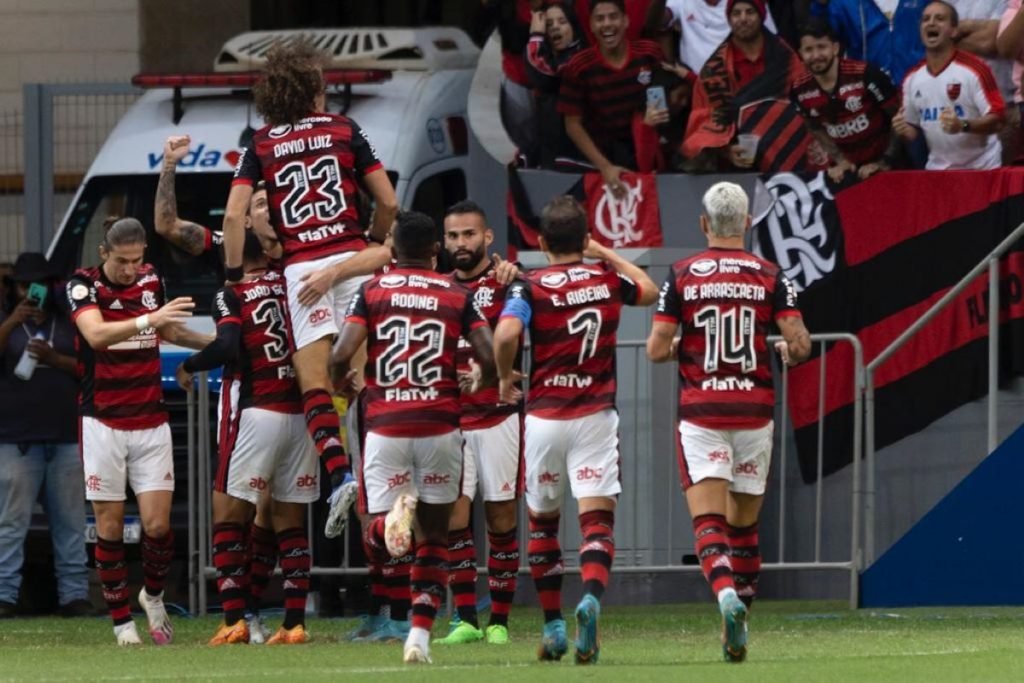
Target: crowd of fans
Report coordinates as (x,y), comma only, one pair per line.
(851,86)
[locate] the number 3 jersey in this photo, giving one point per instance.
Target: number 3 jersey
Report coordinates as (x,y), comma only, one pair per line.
(312,169)
(573,321)
(414,319)
(261,376)
(726,301)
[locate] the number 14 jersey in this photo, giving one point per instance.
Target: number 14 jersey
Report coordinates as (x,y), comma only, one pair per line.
(726,301)
(574,320)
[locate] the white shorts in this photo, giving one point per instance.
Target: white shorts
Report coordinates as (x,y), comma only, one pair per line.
(491,458)
(427,467)
(740,456)
(586,449)
(268,450)
(111,458)
(310,323)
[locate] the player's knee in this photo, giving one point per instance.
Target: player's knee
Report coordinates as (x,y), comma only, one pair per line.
(501,516)
(460,513)
(156,528)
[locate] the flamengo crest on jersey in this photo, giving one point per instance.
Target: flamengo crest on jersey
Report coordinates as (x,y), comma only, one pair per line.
(726,301)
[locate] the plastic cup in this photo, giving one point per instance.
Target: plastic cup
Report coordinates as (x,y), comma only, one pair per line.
(748,143)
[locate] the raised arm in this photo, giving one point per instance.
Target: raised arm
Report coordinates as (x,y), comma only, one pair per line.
(187,236)
(234,228)
(648,291)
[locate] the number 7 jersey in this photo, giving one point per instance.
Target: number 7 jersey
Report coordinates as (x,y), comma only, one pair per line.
(726,301)
(414,319)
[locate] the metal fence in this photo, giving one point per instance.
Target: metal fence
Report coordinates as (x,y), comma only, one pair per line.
(652,524)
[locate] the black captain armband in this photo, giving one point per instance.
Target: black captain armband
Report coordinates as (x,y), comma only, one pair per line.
(370,237)
(233,273)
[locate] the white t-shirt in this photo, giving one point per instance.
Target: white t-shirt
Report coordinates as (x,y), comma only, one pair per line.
(991,10)
(702,27)
(888,7)
(967,85)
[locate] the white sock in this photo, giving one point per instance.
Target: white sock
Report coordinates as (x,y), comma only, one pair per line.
(724,594)
(420,637)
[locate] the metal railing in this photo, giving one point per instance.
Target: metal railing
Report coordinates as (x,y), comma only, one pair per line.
(991,262)
(652,523)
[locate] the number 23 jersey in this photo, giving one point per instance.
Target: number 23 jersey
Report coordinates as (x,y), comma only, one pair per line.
(726,301)
(414,319)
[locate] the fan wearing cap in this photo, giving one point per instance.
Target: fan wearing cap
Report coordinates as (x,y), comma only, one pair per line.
(38,438)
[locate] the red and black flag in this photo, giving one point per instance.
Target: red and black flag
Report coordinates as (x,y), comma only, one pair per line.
(871,259)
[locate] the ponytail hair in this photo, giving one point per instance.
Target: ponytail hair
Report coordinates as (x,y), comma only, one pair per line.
(118,232)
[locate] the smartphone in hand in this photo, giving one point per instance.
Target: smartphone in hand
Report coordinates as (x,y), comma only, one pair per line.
(656,98)
(37,294)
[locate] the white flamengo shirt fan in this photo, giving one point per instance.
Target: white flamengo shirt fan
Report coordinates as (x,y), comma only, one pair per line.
(966,85)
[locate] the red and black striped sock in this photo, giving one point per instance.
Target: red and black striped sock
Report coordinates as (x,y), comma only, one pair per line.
(428,583)
(157,554)
(373,537)
(229,558)
(395,575)
(597,550)
(113,573)
(262,558)
(293,549)
(462,573)
(745,552)
(324,425)
(546,566)
(502,571)
(713,551)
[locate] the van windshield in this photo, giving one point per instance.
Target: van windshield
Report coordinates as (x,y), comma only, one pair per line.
(201,199)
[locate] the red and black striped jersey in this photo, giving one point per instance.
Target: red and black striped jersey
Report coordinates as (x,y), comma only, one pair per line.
(120,384)
(726,301)
(574,321)
(312,170)
(414,319)
(607,97)
(856,114)
(481,409)
(263,370)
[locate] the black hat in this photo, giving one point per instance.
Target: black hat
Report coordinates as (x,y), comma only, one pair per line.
(32,266)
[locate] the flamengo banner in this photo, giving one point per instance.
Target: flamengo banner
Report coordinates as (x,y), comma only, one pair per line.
(871,259)
(632,221)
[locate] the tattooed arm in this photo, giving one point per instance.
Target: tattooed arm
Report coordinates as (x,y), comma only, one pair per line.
(185,235)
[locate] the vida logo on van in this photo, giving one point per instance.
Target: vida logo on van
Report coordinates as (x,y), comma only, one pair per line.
(200,157)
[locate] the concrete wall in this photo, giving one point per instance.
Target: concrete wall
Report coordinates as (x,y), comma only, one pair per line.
(186,35)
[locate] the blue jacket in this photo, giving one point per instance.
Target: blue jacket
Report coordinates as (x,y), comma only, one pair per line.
(894,46)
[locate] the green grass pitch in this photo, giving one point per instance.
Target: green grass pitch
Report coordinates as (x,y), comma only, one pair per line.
(789,641)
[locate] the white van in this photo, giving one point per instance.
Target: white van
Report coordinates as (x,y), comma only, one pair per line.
(410,96)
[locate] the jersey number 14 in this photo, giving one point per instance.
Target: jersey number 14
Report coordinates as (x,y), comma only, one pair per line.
(728,337)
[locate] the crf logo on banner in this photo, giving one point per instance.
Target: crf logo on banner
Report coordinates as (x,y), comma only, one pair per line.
(631,221)
(794,231)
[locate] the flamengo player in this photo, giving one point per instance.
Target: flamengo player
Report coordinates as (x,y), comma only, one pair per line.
(313,164)
(413,319)
(726,299)
(263,443)
(492,444)
(572,311)
(119,312)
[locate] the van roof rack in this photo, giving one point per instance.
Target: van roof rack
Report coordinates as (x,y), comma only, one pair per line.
(405,49)
(246,79)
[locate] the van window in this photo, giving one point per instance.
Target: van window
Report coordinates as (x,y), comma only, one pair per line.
(201,198)
(435,194)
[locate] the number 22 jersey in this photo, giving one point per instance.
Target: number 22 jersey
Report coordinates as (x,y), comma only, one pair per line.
(726,301)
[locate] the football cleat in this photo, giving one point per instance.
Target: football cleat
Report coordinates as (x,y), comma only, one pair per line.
(398,526)
(588,646)
(414,654)
(340,501)
(289,636)
(553,643)
(734,619)
(127,634)
(368,624)
(237,633)
(391,632)
(463,633)
(497,634)
(160,629)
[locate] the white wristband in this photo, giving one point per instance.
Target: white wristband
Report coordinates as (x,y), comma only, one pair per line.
(142,322)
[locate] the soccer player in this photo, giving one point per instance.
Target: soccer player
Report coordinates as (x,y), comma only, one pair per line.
(492,444)
(119,310)
(313,164)
(263,444)
(412,455)
(572,311)
(726,301)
